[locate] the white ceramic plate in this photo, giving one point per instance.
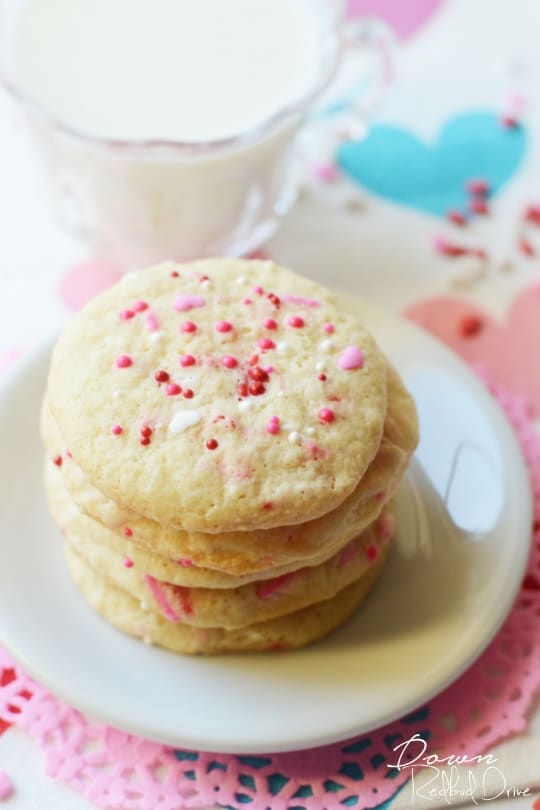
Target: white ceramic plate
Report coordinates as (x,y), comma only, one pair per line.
(464,524)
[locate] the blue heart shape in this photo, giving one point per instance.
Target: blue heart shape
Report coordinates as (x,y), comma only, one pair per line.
(394,164)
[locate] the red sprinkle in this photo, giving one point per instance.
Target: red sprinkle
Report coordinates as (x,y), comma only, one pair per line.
(188,326)
(532,214)
(326,415)
(509,122)
(470,325)
(229,361)
(128,563)
(174,274)
(161,375)
(526,247)
(212,444)
(256,388)
(372,553)
(479,207)
(204,278)
(258,373)
(145,440)
(273,298)
(126,315)
(322,377)
(146,430)
(478,187)
(266,343)
(117,430)
(124,361)
(270,323)
(128,532)
(140,306)
(456,217)
(267,506)
(58,461)
(188,393)
(243,389)
(187,360)
(173,389)
(329,328)
(223,326)
(296,321)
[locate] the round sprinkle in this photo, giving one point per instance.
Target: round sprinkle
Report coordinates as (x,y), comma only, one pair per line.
(128,532)
(326,345)
(372,553)
(258,290)
(241,280)
(258,373)
(351,358)
(117,430)
(269,369)
(173,389)
(266,343)
(146,430)
(58,461)
(140,306)
(273,425)
(145,440)
(320,367)
(470,325)
(456,217)
(329,328)
(185,563)
(124,361)
(256,388)
(310,431)
(224,326)
(187,360)
(212,444)
(294,437)
(326,415)
(6,786)
(296,322)
(229,361)
(162,376)
(128,563)
(270,323)
(322,377)
(478,187)
(188,326)
(175,274)
(479,206)
(247,301)
(126,315)
(188,393)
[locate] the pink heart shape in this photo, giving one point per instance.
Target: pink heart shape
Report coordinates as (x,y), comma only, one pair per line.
(405,18)
(508,349)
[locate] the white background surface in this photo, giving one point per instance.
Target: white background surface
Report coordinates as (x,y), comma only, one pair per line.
(469,55)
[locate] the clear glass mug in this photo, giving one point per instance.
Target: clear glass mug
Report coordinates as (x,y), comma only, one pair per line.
(137,202)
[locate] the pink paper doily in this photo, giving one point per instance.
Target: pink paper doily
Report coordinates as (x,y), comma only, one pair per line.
(122,772)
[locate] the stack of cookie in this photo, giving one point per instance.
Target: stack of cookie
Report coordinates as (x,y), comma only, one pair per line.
(223,444)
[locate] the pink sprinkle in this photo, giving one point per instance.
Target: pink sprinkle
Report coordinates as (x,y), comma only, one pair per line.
(301,301)
(269,369)
(152,322)
(140,306)
(273,425)
(173,389)
(349,552)
(258,290)
(325,172)
(247,301)
(124,361)
(128,563)
(478,187)
(117,430)
(128,532)
(329,328)
(229,361)
(270,323)
(186,302)
(69,454)
(223,326)
(126,315)
(387,526)
(351,358)
(185,563)
(188,326)
(187,360)
(326,415)
(372,552)
(296,321)
(269,587)
(266,343)
(6,786)
(161,599)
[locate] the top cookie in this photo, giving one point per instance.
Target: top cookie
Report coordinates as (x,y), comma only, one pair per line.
(219,395)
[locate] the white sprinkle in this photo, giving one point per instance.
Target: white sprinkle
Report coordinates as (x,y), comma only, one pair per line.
(294,437)
(183,420)
(144,606)
(206,282)
(245,404)
(241,280)
(147,640)
(326,345)
(282,347)
(155,337)
(232,489)
(310,431)
(320,367)
(117,393)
